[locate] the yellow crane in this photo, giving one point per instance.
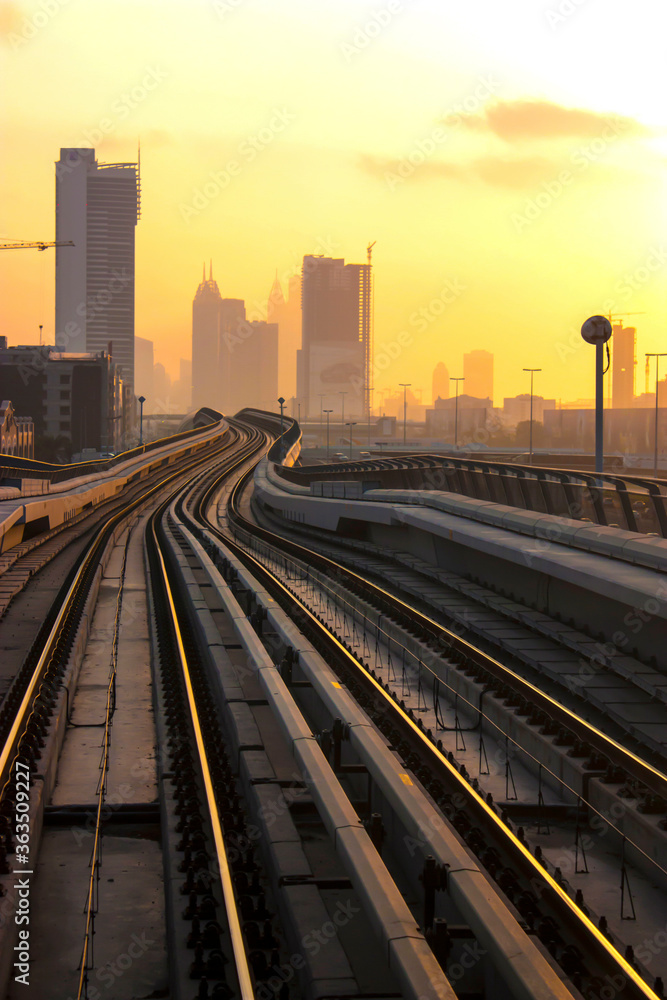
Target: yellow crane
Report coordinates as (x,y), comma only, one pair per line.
(41,245)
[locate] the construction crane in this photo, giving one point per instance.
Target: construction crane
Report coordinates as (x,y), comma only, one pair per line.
(612,316)
(368,328)
(35,246)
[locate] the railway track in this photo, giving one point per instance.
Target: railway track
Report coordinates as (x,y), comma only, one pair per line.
(36,710)
(641,771)
(317,840)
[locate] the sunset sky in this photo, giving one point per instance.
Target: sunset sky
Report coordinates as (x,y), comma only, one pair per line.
(508,158)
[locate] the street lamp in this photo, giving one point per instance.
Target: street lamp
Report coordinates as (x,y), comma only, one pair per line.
(461,378)
(405,386)
(281,401)
(321,395)
(532,371)
(327,413)
(597,331)
(351,424)
(343,394)
(142,400)
(369,389)
(655,452)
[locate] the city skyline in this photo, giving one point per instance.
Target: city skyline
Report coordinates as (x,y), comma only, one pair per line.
(551,183)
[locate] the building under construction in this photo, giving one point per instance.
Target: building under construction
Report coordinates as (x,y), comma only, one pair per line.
(334,364)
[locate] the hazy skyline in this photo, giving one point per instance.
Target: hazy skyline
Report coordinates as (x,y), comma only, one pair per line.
(509,165)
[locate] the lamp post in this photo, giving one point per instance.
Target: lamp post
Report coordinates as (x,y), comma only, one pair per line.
(532,372)
(369,389)
(327,413)
(461,378)
(281,401)
(655,443)
(405,386)
(597,331)
(321,395)
(343,394)
(142,400)
(351,424)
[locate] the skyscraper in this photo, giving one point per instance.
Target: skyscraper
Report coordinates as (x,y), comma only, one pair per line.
(144,362)
(206,388)
(440,381)
(623,361)
(97,208)
(232,327)
(286,312)
(335,303)
(478,374)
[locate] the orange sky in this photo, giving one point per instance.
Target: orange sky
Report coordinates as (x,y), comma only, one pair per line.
(508,159)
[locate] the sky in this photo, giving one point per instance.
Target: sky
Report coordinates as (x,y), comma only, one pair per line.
(507,158)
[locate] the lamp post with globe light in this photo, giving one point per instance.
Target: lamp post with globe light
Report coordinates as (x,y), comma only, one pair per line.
(597,330)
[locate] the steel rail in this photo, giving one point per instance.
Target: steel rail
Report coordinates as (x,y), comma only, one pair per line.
(253,444)
(652,777)
(605,951)
(24,712)
(235,933)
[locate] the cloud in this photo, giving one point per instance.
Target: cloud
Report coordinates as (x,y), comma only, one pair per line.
(496,171)
(521,121)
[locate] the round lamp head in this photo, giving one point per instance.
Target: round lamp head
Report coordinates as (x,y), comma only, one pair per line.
(596,330)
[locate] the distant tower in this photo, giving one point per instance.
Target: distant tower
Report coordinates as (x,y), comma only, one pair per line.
(440,381)
(97,208)
(624,359)
(143,371)
(335,333)
(478,374)
(206,390)
(287,314)
(232,335)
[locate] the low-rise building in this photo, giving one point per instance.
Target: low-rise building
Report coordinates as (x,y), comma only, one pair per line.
(517,408)
(77,398)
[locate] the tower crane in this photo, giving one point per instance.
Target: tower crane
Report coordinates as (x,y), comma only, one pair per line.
(612,316)
(40,245)
(368,324)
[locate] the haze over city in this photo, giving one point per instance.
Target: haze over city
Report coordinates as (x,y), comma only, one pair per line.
(509,165)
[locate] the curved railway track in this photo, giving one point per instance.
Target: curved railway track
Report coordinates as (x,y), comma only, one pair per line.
(202,815)
(26,710)
(573,924)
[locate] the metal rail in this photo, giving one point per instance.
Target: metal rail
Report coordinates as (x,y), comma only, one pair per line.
(233,919)
(158,555)
(65,621)
(605,953)
(652,777)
